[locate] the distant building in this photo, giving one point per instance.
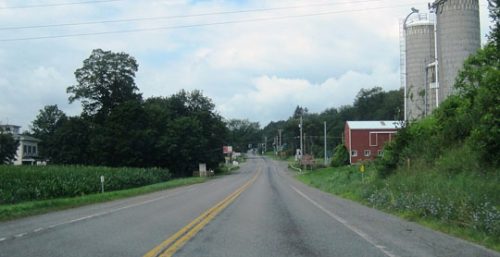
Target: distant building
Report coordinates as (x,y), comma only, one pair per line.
(27,152)
(365,140)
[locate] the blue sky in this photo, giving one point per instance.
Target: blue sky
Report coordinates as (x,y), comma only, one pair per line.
(256,70)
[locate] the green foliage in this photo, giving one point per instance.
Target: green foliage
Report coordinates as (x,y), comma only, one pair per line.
(375,104)
(117,128)
(29,183)
(8,147)
(494,35)
(340,157)
(478,85)
(243,133)
(470,118)
(187,131)
(370,104)
(105,80)
(44,127)
(71,142)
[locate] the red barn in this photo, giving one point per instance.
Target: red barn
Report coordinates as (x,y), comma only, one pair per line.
(365,139)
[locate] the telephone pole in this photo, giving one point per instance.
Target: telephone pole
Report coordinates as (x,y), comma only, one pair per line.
(265,144)
(279,139)
(325,144)
(301,145)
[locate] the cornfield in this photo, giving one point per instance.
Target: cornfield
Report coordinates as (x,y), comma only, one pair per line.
(28,183)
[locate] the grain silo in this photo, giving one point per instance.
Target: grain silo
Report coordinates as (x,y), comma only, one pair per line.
(458,36)
(419,54)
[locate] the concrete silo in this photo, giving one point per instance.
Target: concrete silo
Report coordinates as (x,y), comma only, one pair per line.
(419,54)
(458,36)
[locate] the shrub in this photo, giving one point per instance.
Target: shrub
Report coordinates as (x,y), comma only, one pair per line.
(340,157)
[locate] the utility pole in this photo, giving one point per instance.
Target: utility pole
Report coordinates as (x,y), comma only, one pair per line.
(325,144)
(301,145)
(265,144)
(305,142)
(279,140)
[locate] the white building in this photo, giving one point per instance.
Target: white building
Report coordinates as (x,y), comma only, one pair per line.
(27,152)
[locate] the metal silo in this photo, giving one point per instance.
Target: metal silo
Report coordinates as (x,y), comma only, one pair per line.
(419,53)
(458,36)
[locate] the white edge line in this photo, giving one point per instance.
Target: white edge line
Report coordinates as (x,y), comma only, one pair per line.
(344,222)
(100,214)
(20,235)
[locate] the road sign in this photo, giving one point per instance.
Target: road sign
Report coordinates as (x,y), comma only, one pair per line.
(227,149)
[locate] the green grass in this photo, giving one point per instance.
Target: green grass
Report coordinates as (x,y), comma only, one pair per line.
(465,204)
(14,211)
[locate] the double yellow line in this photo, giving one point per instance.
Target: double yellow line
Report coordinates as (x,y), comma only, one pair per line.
(168,247)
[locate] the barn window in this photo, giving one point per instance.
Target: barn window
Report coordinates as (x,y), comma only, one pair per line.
(354,153)
(368,153)
(373,139)
(380,153)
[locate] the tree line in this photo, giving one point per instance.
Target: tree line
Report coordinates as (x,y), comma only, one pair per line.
(369,104)
(118,127)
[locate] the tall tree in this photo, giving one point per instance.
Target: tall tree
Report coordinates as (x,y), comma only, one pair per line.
(44,127)
(123,139)
(187,131)
(105,80)
(8,147)
(479,91)
(72,138)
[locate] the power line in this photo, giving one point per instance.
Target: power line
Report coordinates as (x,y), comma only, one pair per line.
(181,16)
(199,25)
(57,5)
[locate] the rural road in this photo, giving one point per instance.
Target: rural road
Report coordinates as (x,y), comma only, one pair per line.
(261,210)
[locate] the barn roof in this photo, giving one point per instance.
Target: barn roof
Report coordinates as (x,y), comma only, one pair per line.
(381,124)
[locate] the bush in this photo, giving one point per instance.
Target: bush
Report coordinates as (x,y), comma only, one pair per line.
(340,157)
(27,183)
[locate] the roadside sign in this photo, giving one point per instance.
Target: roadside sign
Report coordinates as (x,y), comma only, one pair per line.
(362,168)
(227,149)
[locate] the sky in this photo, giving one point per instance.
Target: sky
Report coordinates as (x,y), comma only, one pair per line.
(256,59)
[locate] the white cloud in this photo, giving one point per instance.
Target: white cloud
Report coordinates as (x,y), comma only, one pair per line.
(255,70)
(274,98)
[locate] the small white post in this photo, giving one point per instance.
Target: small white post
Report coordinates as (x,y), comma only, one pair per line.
(102,184)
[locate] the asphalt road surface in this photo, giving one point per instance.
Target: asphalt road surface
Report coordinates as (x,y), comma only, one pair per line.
(260,210)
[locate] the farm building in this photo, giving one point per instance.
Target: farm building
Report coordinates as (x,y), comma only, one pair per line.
(27,152)
(365,139)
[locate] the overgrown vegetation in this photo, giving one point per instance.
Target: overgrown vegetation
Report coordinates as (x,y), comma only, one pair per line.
(464,204)
(30,183)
